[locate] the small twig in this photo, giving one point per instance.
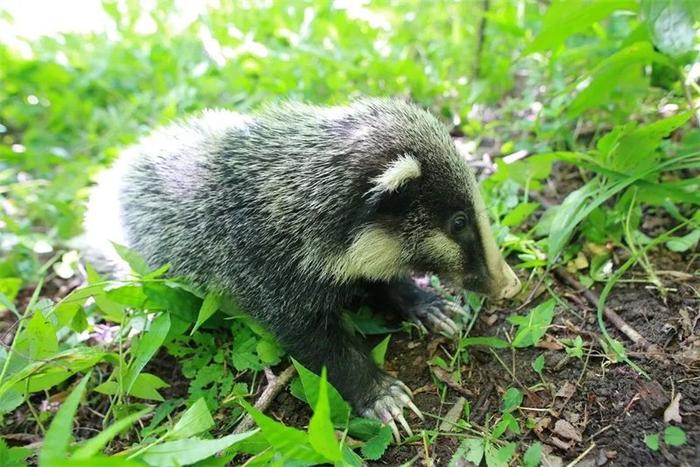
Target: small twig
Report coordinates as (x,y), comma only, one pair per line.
(482,404)
(443,376)
(581,456)
(611,315)
(274,386)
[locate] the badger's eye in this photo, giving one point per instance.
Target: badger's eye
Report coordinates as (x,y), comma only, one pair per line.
(459,223)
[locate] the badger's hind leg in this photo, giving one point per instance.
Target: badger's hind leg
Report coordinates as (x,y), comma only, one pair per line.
(424,308)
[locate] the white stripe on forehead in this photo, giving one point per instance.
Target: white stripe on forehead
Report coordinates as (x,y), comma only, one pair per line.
(397,173)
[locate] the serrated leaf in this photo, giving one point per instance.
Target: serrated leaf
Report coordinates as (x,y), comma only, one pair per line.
(499,456)
(13,457)
(652,441)
(538,320)
(533,455)
(674,436)
(512,399)
(375,447)
(470,450)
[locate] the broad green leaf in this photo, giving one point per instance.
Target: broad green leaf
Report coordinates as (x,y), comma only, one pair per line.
(133,259)
(13,457)
(674,436)
(684,243)
(145,387)
(9,287)
(321,432)
(375,447)
(494,342)
(519,213)
(602,80)
(671,25)
(512,399)
(379,351)
(340,410)
(533,455)
(533,327)
(652,441)
(470,450)
(38,339)
(209,306)
(567,17)
(289,442)
(59,434)
(148,345)
(194,421)
(269,351)
(94,445)
(191,450)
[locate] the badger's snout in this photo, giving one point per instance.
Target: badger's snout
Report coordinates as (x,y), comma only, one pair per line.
(506,284)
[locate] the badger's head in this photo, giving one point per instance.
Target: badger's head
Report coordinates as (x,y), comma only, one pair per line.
(425,213)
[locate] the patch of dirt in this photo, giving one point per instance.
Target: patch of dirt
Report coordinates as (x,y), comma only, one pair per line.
(588,404)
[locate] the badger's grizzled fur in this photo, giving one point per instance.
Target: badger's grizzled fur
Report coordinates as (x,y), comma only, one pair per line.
(296,210)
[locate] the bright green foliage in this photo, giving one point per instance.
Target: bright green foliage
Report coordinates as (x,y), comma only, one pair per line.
(599,87)
(652,441)
(532,327)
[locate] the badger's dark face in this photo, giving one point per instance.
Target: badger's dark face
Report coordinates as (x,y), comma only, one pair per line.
(428,216)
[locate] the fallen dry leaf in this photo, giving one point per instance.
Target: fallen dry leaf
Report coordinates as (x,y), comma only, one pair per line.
(453,415)
(672,412)
(567,430)
(566,391)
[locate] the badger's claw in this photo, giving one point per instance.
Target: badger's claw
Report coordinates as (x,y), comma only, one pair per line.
(388,407)
(437,315)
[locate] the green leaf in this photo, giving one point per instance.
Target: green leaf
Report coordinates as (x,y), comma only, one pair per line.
(532,328)
(191,450)
(38,340)
(60,431)
(499,457)
(512,399)
(9,287)
(652,441)
(133,259)
(533,455)
(674,436)
(519,213)
(567,17)
(289,442)
(375,447)
(684,243)
(379,351)
(563,224)
(538,364)
(13,457)
(194,421)
(210,305)
(340,410)
(92,446)
(494,342)
(321,432)
(269,351)
(470,450)
(671,25)
(148,345)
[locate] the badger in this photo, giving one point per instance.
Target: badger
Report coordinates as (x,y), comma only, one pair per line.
(297,209)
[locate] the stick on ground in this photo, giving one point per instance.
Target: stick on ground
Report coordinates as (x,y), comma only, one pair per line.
(274,386)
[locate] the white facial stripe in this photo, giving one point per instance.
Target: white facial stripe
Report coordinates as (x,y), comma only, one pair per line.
(400,171)
(374,254)
(443,251)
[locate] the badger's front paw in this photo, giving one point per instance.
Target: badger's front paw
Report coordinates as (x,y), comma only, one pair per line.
(437,315)
(391,396)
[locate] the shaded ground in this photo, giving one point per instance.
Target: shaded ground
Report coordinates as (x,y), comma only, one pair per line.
(609,406)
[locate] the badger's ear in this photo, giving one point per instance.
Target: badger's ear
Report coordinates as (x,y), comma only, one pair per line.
(395,186)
